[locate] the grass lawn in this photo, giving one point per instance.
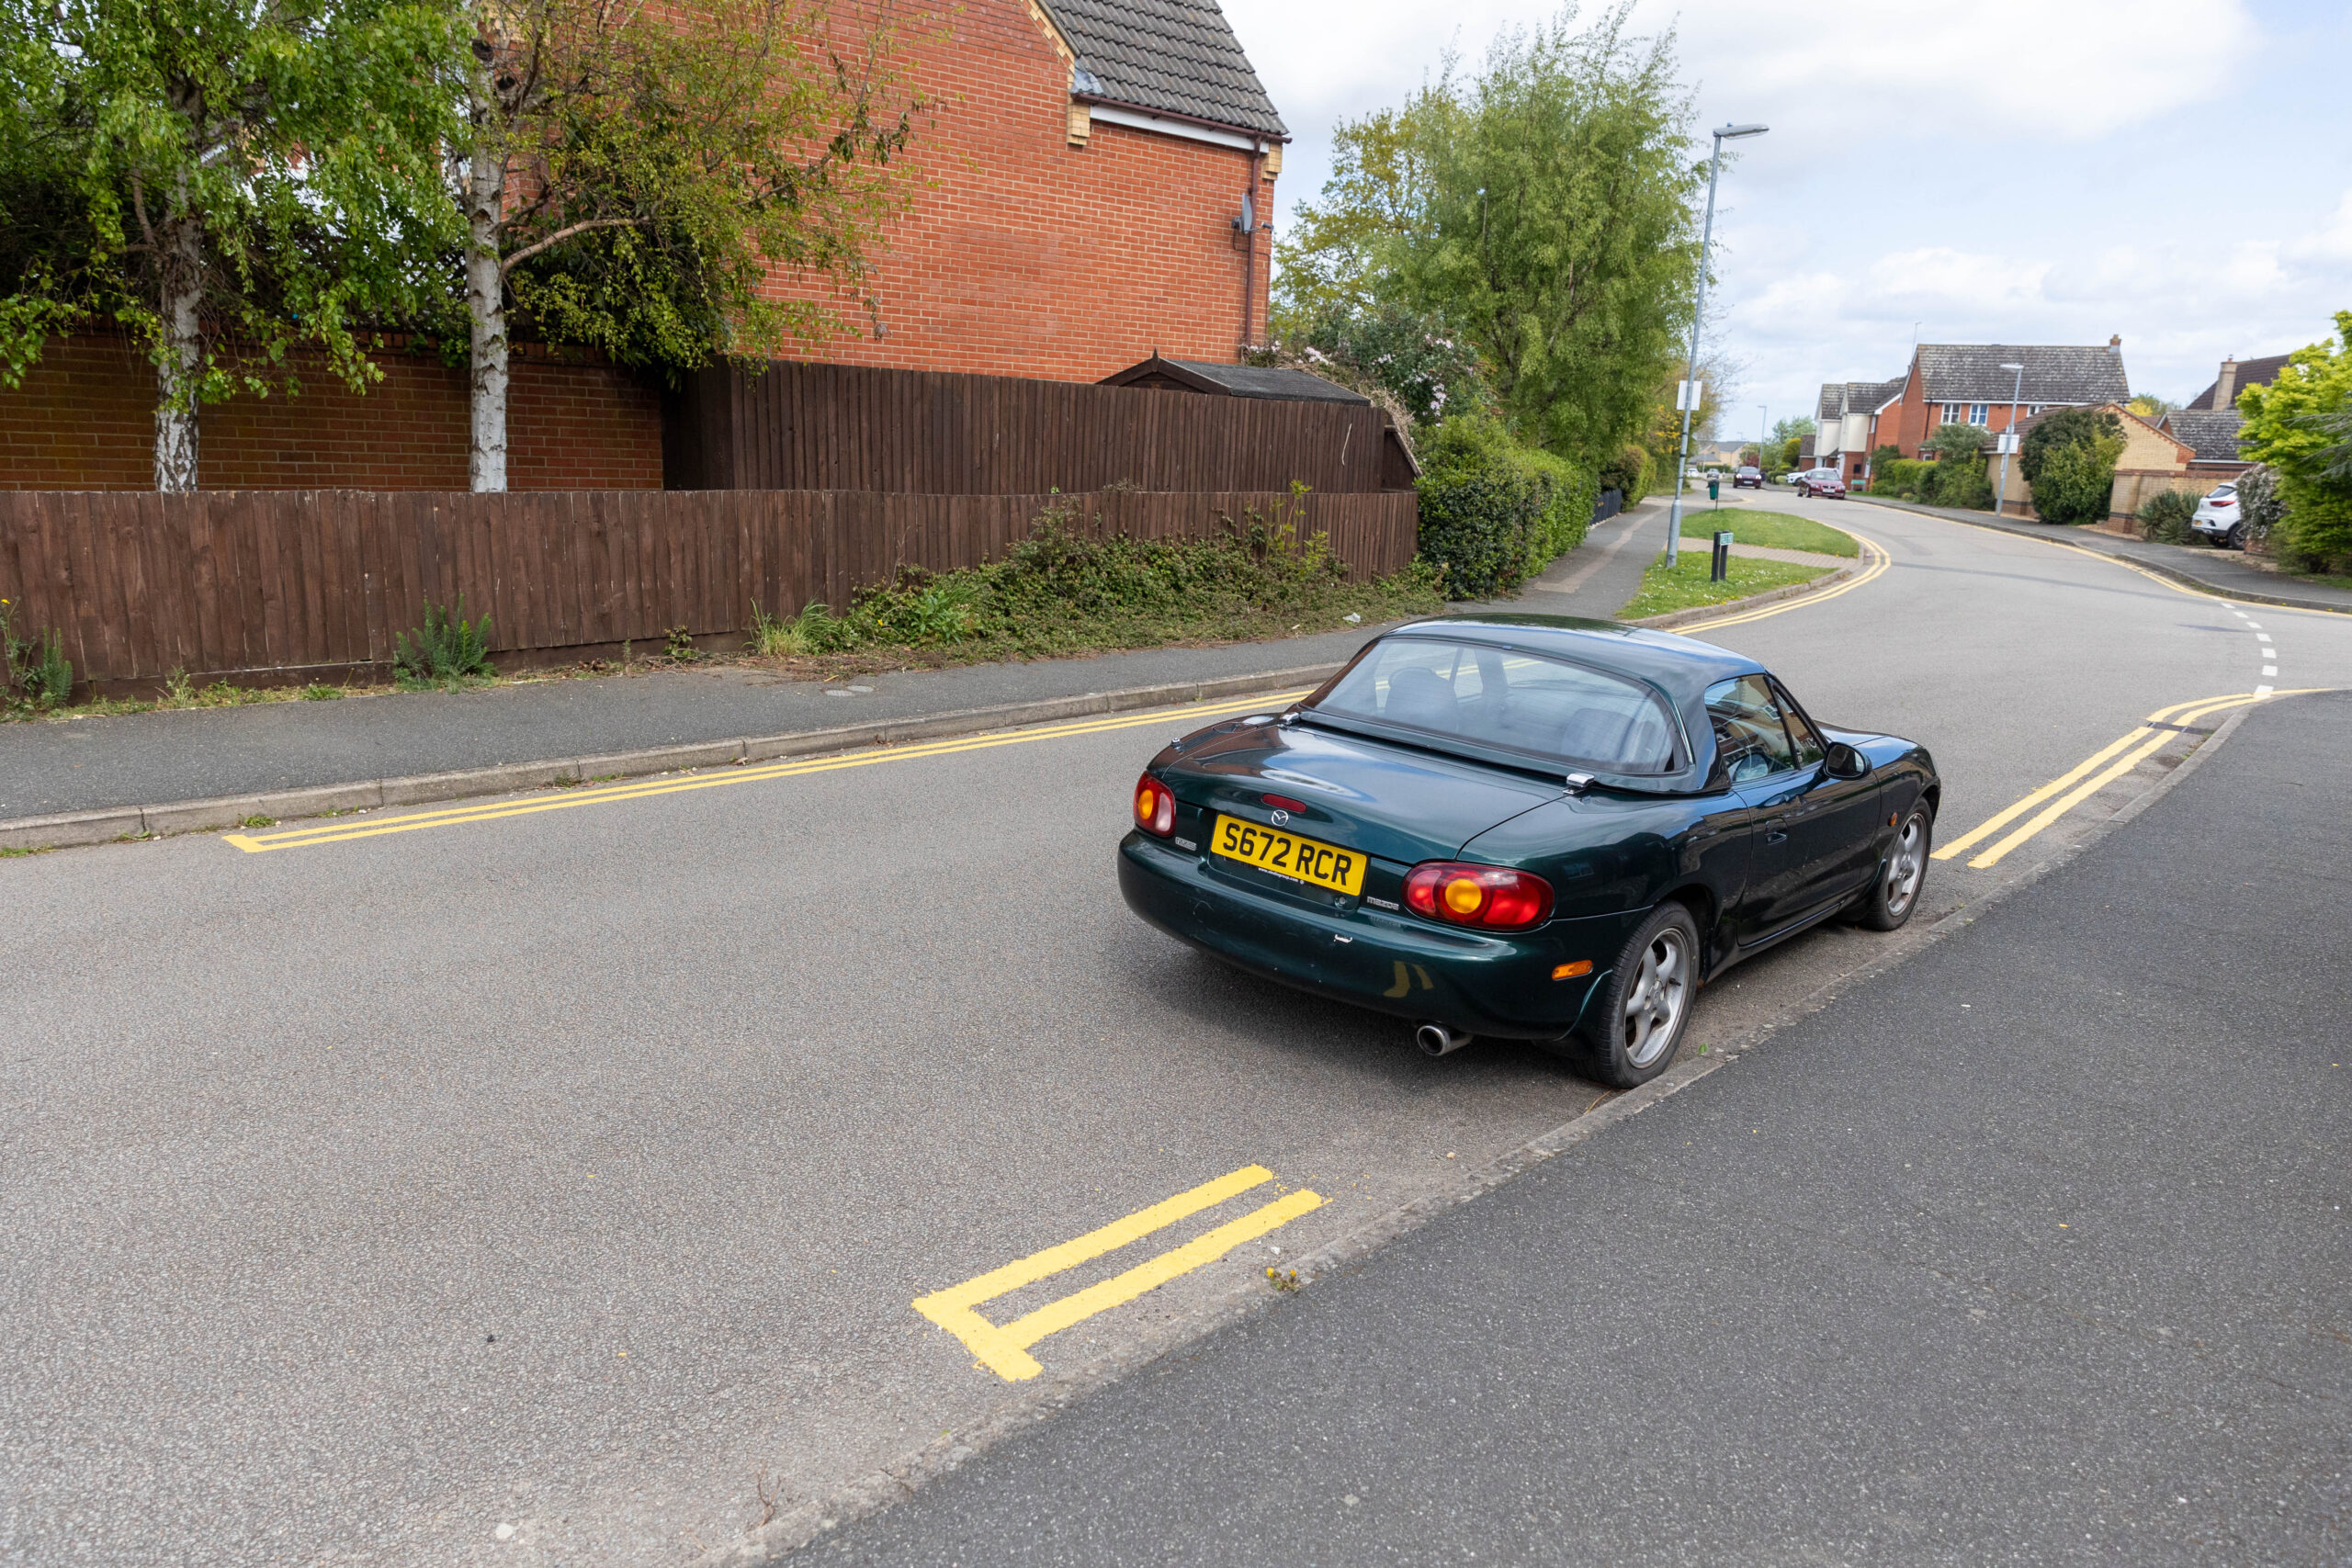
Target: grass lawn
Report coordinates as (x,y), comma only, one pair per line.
(1686,587)
(1773,530)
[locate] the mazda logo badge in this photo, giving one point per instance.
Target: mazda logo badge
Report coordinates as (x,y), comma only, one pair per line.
(1280,818)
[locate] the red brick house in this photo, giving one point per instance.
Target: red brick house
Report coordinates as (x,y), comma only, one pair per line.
(1965,384)
(1101,180)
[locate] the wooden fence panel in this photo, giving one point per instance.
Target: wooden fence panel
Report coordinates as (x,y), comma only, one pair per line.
(288,583)
(802,426)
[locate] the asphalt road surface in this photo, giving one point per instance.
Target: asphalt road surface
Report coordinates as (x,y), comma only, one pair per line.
(2034,1252)
(553,1186)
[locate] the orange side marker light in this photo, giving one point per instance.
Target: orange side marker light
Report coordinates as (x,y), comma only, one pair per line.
(1580,968)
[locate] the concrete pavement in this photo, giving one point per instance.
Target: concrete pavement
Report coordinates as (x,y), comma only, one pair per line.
(568,1168)
(2032,1252)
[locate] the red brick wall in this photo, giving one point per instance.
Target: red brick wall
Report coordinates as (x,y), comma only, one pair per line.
(1023,255)
(1028,257)
(85,418)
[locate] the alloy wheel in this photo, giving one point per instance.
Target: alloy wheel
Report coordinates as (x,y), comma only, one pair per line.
(1654,1002)
(1905,867)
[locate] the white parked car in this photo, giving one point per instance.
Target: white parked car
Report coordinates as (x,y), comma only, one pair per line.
(2217,518)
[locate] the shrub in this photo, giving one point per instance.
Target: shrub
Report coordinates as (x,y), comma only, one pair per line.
(2067,427)
(1954,441)
(1904,479)
(2259,506)
(1627,472)
(1495,513)
(448,648)
(1957,480)
(1062,589)
(34,671)
(2295,425)
(2163,517)
(2077,482)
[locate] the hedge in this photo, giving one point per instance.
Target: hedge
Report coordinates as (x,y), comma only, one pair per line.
(1495,513)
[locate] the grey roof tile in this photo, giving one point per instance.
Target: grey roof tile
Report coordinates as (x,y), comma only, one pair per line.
(1176,56)
(2251,373)
(1972,373)
(2212,432)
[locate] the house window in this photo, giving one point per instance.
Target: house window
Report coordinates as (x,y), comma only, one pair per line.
(1951,413)
(2032,409)
(1978,415)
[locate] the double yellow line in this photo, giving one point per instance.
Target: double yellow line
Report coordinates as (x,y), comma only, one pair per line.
(1003,1348)
(344,830)
(2092,775)
(1875,563)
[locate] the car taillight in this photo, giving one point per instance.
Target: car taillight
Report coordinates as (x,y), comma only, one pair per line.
(2220,500)
(1489,896)
(1155,807)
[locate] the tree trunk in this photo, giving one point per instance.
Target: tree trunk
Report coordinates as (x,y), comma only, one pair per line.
(486,308)
(183,357)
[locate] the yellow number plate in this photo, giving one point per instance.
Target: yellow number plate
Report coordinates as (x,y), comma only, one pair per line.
(1286,854)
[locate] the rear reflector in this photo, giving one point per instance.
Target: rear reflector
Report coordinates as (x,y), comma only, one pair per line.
(1576,971)
(1492,896)
(1284,803)
(1155,807)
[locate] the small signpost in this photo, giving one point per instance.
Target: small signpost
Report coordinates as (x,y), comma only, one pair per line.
(1721,568)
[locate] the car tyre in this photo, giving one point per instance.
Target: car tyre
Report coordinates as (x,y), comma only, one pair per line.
(1895,892)
(1803,493)
(1632,1027)
(2235,538)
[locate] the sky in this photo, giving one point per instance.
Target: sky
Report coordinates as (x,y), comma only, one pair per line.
(2178,171)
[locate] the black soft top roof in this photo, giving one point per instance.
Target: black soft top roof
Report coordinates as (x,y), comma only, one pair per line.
(1681,667)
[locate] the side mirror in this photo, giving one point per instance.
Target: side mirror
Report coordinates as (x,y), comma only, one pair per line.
(1844,762)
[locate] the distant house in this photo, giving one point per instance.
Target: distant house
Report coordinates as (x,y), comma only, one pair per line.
(2210,420)
(2153,461)
(1847,414)
(1952,383)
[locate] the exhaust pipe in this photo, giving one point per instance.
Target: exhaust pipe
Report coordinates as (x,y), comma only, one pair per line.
(1438,1040)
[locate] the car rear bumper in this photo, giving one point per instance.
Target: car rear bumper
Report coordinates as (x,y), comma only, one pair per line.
(1478,983)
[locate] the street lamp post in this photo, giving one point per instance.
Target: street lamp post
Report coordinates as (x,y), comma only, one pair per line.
(1763,426)
(1690,398)
(2001,505)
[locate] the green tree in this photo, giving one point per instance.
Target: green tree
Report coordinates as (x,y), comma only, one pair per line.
(2077,482)
(1557,226)
(231,180)
(1542,210)
(629,180)
(2067,427)
(1954,440)
(1794,429)
(2297,425)
(1336,260)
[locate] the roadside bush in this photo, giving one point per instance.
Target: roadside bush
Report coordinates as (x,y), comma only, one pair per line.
(2067,427)
(1903,479)
(448,648)
(2259,506)
(1630,472)
(1960,480)
(1063,590)
(36,672)
(1495,513)
(2163,517)
(2077,482)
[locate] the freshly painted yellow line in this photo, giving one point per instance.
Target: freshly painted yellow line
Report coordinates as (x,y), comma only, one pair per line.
(2094,773)
(1005,1349)
(343,829)
(1876,563)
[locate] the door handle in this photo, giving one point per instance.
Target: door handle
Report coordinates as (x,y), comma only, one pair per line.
(1776,837)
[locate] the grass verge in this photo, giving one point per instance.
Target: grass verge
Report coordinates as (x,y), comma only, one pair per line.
(1772,530)
(1685,585)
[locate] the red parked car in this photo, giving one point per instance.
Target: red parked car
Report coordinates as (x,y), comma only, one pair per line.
(1820,481)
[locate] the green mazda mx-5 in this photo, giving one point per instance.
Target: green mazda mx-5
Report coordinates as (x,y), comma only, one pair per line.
(1528,826)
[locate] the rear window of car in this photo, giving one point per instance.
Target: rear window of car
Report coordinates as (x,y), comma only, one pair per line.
(1509,700)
